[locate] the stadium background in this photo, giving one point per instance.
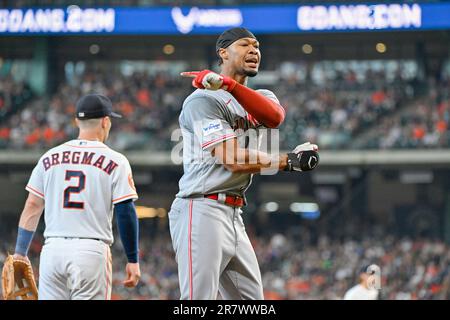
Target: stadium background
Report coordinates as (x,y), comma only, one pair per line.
(376,102)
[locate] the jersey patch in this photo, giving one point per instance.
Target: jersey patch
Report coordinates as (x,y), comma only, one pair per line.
(211,127)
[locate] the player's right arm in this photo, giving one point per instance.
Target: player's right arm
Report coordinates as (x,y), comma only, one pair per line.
(265,110)
(29,220)
(31,213)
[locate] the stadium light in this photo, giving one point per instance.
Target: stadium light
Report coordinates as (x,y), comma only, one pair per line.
(94,49)
(271,206)
(308,210)
(168,49)
(147,212)
(307,49)
(161,212)
(73,7)
(381,47)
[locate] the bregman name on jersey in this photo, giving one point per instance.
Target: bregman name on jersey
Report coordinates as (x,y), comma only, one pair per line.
(80,157)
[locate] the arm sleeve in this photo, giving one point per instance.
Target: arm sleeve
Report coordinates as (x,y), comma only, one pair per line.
(204,117)
(128,225)
(23,241)
(35,184)
(123,183)
(268,94)
(264,109)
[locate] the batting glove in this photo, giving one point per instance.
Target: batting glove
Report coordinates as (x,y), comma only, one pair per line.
(210,80)
(303,158)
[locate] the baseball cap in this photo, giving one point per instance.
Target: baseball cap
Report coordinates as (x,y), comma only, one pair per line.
(365,269)
(94,106)
(231,35)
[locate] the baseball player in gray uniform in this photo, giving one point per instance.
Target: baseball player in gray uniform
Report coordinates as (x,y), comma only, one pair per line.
(213,251)
(79,183)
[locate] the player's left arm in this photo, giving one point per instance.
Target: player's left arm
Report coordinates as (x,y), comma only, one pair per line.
(29,220)
(241,160)
(266,109)
(128,225)
(123,195)
(304,157)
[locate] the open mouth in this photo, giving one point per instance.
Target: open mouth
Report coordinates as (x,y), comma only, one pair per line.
(252,62)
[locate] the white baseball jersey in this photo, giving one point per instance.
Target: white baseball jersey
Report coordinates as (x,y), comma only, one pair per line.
(80,181)
(359,292)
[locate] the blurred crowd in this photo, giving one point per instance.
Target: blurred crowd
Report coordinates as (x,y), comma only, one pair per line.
(410,269)
(294,267)
(148,103)
(425,124)
(333,112)
(13,95)
(331,109)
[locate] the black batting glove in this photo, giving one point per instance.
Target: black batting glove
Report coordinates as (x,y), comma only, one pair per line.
(303,158)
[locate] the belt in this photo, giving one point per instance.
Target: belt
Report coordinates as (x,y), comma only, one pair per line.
(233,201)
(77,238)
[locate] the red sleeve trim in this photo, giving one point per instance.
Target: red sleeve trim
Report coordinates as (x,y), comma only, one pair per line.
(132,195)
(34,191)
(222,138)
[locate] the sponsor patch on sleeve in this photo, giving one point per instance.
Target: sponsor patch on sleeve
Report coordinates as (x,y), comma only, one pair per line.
(211,126)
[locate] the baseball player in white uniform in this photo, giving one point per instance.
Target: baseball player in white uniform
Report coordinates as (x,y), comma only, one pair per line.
(213,251)
(362,291)
(79,183)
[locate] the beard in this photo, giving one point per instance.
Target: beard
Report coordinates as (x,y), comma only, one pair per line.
(250,73)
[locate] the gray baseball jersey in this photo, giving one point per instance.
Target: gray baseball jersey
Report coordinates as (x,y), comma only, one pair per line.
(212,248)
(207,119)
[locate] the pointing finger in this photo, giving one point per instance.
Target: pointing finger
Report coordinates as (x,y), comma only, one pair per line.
(190,74)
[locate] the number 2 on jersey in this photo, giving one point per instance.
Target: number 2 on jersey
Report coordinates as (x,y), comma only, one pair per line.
(74,189)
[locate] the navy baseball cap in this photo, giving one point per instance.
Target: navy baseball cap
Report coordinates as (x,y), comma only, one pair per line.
(365,269)
(94,106)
